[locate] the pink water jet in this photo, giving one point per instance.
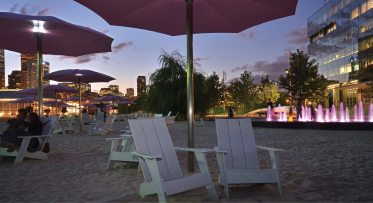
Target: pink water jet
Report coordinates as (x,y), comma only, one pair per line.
(269,112)
(371,113)
(361,112)
(347,115)
(319,115)
(327,115)
(334,114)
(356,113)
(279,112)
(341,114)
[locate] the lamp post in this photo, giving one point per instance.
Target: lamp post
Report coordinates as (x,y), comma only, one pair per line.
(291,99)
(80,101)
(39,33)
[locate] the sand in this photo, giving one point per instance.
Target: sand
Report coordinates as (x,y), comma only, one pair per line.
(316,166)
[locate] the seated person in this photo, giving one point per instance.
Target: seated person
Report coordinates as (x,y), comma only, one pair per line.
(15,123)
(34,127)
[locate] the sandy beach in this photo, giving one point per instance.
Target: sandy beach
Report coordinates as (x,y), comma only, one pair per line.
(316,166)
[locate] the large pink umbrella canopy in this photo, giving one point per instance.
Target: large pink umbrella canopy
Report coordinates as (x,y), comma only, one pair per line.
(74,99)
(211,16)
(176,17)
(60,38)
(24,100)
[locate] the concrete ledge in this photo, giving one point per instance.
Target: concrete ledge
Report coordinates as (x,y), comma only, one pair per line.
(364,126)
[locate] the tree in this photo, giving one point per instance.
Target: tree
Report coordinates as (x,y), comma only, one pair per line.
(214,91)
(234,92)
(303,79)
(168,86)
(267,90)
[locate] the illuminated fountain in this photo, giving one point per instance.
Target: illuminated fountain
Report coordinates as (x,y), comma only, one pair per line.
(285,116)
(341,114)
(327,115)
(333,114)
(361,112)
(269,116)
(279,113)
(319,115)
(347,115)
(371,113)
(356,114)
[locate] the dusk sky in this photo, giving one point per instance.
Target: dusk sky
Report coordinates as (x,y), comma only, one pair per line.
(263,49)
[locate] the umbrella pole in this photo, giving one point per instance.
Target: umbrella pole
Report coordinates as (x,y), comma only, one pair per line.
(39,37)
(80,103)
(190,83)
(55,99)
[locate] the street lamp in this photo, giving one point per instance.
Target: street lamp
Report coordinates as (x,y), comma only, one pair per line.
(291,99)
(39,33)
(80,100)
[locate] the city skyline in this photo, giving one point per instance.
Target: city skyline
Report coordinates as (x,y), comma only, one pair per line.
(136,52)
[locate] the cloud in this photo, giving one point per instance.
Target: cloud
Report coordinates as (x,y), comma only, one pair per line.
(44,12)
(80,59)
(298,36)
(201,59)
(261,68)
(106,31)
(287,49)
(14,8)
(122,45)
(106,58)
(249,36)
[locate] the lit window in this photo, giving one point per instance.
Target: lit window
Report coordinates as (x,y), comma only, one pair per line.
(369,4)
(355,13)
(363,8)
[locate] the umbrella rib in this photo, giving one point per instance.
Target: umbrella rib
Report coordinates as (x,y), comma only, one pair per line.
(271,6)
(137,10)
(219,14)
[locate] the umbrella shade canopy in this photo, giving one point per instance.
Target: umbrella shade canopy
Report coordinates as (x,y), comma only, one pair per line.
(23,100)
(211,16)
(95,100)
(111,98)
(60,38)
(93,108)
(59,103)
(68,106)
(110,105)
(59,88)
(71,75)
(32,91)
(88,104)
(126,102)
(74,99)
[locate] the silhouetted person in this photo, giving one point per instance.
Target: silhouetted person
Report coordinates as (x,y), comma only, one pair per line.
(230,112)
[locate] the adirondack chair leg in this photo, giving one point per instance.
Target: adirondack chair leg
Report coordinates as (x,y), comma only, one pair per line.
(275,165)
(223,173)
(1,158)
(157,181)
(22,150)
(202,162)
(114,147)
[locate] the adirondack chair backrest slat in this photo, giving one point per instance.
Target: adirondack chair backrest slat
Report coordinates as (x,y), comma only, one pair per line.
(46,130)
(85,118)
(236,136)
(109,122)
(169,113)
(152,137)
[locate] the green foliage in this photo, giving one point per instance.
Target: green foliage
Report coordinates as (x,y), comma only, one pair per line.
(214,91)
(303,80)
(267,90)
(168,89)
(242,91)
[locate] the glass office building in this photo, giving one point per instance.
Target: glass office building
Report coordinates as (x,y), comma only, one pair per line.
(341,40)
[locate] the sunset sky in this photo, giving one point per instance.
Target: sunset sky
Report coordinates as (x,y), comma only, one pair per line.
(263,49)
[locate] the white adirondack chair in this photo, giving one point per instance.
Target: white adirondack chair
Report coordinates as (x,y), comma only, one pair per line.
(85,118)
(69,126)
(158,115)
(121,150)
(22,151)
(237,157)
(99,117)
(160,165)
(169,113)
(200,124)
(150,114)
(97,129)
(58,128)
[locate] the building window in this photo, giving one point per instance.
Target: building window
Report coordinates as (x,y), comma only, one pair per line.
(363,8)
(355,13)
(369,4)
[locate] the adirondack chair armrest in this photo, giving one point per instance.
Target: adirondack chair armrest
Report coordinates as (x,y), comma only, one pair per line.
(34,136)
(218,150)
(146,156)
(270,149)
(193,149)
(96,123)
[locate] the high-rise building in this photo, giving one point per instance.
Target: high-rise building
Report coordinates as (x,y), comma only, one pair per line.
(141,85)
(14,80)
(105,91)
(85,87)
(341,40)
(2,69)
(27,63)
(130,92)
(46,71)
(114,89)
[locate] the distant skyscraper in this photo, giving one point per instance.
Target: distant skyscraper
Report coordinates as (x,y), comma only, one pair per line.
(46,70)
(2,69)
(114,89)
(14,80)
(28,66)
(130,92)
(86,87)
(105,91)
(141,85)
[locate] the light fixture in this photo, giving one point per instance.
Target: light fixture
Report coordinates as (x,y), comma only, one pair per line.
(39,26)
(79,75)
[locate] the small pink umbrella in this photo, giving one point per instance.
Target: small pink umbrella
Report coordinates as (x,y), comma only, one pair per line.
(176,17)
(24,100)
(78,76)
(88,104)
(49,35)
(112,98)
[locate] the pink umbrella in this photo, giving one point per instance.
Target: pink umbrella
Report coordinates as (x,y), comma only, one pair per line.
(175,17)
(26,34)
(110,105)
(78,76)
(88,104)
(74,99)
(128,104)
(58,88)
(112,98)
(24,100)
